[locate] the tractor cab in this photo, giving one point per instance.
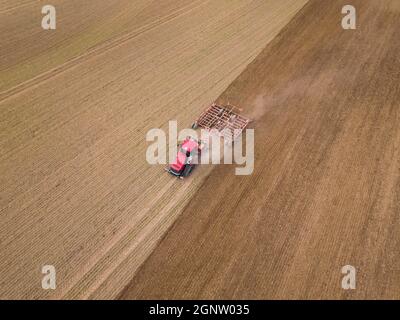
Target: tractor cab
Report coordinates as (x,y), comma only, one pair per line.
(187,152)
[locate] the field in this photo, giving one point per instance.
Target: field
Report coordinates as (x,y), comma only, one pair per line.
(75,104)
(325,191)
(76,191)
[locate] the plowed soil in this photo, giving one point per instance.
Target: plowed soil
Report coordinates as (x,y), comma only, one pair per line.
(75,104)
(325,191)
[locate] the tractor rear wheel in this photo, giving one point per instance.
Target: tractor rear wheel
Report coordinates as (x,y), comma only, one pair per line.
(188,169)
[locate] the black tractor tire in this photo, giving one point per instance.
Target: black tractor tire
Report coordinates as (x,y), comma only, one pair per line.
(188,169)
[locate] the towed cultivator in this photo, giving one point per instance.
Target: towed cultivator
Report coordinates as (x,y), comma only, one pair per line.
(224,120)
(221,120)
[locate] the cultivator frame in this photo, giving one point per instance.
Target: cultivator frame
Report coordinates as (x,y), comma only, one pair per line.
(223,119)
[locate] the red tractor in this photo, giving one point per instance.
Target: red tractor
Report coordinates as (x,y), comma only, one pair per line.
(186,159)
(222,119)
